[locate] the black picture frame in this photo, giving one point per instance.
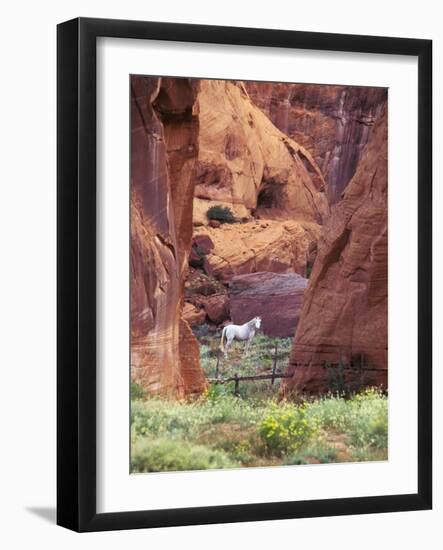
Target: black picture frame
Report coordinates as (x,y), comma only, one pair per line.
(76,273)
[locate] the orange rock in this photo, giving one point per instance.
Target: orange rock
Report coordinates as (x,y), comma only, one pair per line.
(217,308)
(344,314)
(269,245)
(193,315)
(246,163)
(334,123)
(164,352)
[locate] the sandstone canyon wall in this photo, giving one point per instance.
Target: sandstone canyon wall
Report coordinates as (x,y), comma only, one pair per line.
(200,143)
(273,186)
(247,163)
(164,352)
(344,313)
(334,123)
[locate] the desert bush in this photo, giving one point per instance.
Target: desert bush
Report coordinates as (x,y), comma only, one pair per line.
(369,421)
(363,417)
(286,428)
(319,452)
(222,214)
(216,392)
(137,392)
(161,455)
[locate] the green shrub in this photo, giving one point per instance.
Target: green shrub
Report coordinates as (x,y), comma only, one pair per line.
(137,392)
(364,417)
(319,452)
(369,426)
(162,455)
(216,392)
(222,214)
(286,429)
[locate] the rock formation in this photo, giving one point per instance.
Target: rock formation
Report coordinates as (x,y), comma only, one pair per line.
(199,143)
(275,297)
(334,123)
(344,314)
(263,245)
(246,163)
(164,352)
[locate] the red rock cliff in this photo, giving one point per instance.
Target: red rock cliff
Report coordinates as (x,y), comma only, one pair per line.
(164,352)
(245,162)
(344,313)
(334,123)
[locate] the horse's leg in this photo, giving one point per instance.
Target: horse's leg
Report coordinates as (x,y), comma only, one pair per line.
(228,345)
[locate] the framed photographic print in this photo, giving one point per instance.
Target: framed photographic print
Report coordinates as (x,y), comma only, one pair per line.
(244,274)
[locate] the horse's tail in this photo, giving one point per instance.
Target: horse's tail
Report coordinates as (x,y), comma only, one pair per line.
(222,347)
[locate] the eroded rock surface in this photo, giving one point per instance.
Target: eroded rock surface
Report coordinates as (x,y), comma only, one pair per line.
(334,123)
(245,162)
(164,352)
(344,314)
(275,297)
(265,245)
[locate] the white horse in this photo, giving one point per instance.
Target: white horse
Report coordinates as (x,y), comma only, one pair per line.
(239,332)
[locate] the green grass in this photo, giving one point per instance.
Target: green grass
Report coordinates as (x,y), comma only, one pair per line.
(364,418)
(162,455)
(137,392)
(219,430)
(259,360)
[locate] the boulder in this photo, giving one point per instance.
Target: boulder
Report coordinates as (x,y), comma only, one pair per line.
(202,243)
(213,223)
(275,297)
(280,246)
(217,308)
(193,315)
(344,316)
(195,259)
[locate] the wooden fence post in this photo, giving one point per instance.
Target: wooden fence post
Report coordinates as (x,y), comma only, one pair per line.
(236,384)
(218,362)
(274,367)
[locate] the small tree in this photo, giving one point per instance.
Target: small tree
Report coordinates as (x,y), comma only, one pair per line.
(222,214)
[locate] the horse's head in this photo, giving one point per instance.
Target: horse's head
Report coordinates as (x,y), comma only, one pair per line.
(257,322)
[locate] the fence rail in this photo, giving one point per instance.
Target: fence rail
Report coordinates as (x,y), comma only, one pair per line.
(248,378)
(360,366)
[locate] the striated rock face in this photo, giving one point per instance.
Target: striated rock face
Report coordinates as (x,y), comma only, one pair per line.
(265,245)
(164,352)
(276,298)
(246,163)
(334,123)
(344,314)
